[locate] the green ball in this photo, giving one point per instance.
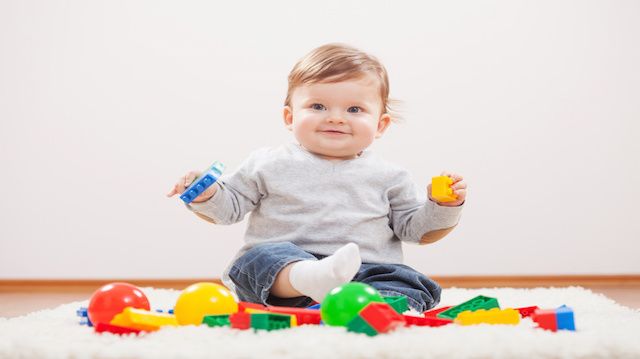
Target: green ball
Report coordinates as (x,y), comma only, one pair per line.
(344,303)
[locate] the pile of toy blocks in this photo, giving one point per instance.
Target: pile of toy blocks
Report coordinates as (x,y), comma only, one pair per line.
(375,318)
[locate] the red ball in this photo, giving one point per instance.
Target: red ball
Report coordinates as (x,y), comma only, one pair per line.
(112,298)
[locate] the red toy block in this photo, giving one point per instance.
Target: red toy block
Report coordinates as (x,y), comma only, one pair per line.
(434,312)
(110,328)
(240,320)
(527,311)
(382,317)
(303,315)
(426,321)
(244,305)
(546,319)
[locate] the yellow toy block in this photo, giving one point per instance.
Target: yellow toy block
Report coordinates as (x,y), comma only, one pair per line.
(491,316)
(441,189)
(254,310)
(142,319)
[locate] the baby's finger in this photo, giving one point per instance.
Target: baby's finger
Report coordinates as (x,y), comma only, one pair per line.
(461,194)
(454,176)
(459,185)
(172,192)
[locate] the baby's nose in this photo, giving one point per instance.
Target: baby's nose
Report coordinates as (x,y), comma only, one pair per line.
(335,119)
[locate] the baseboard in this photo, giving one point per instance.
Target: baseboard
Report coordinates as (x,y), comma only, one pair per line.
(529,281)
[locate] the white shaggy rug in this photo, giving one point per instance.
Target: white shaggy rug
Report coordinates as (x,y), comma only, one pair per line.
(604,330)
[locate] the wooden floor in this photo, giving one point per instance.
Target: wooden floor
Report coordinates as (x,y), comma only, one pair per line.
(22,300)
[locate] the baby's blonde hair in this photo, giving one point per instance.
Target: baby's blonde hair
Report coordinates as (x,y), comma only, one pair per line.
(335,63)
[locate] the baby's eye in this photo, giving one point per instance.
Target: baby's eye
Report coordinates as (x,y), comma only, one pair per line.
(354,109)
(318,107)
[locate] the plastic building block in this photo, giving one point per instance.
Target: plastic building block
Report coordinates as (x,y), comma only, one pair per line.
(315,306)
(242,306)
(546,319)
(240,320)
(564,318)
(359,325)
(142,319)
(426,321)
(255,311)
(209,177)
(399,303)
(434,312)
(83,313)
(491,316)
(441,189)
(302,315)
(110,328)
(527,311)
(479,302)
(270,321)
(217,320)
(382,317)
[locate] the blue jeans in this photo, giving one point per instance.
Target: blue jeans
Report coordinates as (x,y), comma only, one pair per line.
(255,272)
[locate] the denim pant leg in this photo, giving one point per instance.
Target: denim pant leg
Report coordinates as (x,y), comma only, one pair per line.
(255,272)
(398,279)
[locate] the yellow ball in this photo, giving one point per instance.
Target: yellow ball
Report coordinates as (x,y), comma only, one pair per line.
(201,299)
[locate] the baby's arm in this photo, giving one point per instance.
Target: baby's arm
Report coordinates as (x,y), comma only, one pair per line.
(420,221)
(229,199)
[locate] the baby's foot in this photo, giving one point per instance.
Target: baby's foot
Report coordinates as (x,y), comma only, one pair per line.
(315,278)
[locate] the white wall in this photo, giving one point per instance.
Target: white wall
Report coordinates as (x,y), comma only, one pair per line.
(103,105)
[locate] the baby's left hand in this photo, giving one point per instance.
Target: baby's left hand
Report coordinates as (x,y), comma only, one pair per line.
(459,187)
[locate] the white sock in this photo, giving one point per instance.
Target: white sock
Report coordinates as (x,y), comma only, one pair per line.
(315,278)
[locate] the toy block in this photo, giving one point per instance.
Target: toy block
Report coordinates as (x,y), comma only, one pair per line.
(206,179)
(382,317)
(82,312)
(359,325)
(546,319)
(434,312)
(270,321)
(216,320)
(315,306)
(527,311)
(142,319)
(441,189)
(479,302)
(491,316)
(242,306)
(564,318)
(302,315)
(399,303)
(426,321)
(114,329)
(256,311)
(240,320)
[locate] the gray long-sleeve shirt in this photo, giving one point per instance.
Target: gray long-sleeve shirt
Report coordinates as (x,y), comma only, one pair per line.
(320,205)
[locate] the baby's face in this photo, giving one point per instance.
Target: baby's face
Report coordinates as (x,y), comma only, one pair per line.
(337,120)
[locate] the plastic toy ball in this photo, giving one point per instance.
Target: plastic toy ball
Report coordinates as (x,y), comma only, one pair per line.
(201,299)
(343,303)
(112,298)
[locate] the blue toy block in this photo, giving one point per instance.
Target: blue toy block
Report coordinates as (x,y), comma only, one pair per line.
(84,316)
(209,177)
(315,306)
(564,316)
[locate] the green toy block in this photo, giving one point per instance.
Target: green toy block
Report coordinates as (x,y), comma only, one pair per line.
(479,302)
(398,303)
(216,320)
(270,321)
(359,325)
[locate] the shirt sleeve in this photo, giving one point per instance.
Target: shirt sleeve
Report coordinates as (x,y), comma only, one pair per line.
(412,216)
(237,194)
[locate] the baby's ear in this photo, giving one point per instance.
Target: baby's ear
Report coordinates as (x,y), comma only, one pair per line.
(383,124)
(287,115)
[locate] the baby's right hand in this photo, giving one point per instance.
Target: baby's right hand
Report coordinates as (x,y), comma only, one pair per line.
(186,180)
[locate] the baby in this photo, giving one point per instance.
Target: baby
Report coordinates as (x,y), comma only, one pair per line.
(325,210)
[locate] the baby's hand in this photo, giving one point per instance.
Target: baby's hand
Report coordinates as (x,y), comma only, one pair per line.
(185,181)
(459,187)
